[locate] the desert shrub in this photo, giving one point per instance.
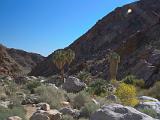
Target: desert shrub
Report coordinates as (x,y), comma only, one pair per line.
(84,76)
(132,80)
(115,83)
(127,94)
(149,112)
(15,111)
(129,80)
(3,95)
(88,109)
(154,91)
(80,99)
(51,95)
(98,87)
(67,117)
(140,83)
(10,88)
(83,119)
(32,85)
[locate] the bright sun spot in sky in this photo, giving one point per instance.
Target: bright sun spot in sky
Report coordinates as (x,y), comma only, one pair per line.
(129,11)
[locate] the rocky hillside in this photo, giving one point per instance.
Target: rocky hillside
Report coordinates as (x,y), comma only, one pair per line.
(133,31)
(17,62)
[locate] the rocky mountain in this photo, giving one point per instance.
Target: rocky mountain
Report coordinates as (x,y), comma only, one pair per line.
(17,62)
(133,31)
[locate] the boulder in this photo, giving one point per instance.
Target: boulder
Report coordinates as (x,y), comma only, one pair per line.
(51,114)
(45,107)
(147,98)
(4,104)
(39,116)
(69,111)
(155,106)
(31,99)
(44,110)
(73,85)
(119,112)
(14,118)
(112,98)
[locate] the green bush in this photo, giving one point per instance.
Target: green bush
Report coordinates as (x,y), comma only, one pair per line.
(129,80)
(83,119)
(132,80)
(80,100)
(67,117)
(15,111)
(32,85)
(149,112)
(154,91)
(84,76)
(51,96)
(98,87)
(88,109)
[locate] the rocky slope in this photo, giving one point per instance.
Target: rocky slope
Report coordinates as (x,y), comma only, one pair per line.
(133,31)
(17,62)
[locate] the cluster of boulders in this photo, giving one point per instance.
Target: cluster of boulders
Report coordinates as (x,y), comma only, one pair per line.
(45,113)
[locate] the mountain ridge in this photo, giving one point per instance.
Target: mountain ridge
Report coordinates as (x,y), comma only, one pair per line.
(16,61)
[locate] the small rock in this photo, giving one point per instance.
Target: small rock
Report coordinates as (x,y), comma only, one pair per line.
(69,111)
(4,104)
(14,118)
(43,106)
(112,98)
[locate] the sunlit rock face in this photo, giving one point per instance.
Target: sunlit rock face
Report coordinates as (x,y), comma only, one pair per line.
(133,31)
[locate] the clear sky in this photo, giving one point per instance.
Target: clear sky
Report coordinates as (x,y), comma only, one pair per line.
(43,26)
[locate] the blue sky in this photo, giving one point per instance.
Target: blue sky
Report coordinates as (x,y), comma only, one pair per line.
(43,26)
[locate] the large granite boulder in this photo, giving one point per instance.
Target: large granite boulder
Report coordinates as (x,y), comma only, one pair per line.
(73,85)
(119,112)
